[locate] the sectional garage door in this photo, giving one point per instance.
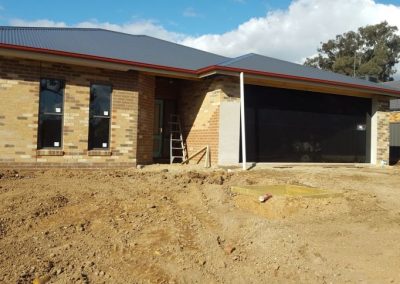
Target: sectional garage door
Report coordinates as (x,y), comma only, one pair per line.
(297,126)
(394,143)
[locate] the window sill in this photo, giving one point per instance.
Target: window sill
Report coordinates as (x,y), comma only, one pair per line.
(49,152)
(99,153)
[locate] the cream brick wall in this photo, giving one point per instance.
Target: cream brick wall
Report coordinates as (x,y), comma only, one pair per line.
(19,90)
(199,105)
(383,131)
(395,116)
(146,118)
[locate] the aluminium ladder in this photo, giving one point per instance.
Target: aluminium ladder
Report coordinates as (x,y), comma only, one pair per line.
(177,146)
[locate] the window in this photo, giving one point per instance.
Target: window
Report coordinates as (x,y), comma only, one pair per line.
(99,116)
(395,105)
(51,102)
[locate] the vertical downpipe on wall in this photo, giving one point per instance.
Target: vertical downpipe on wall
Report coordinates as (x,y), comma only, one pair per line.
(242,121)
(374,132)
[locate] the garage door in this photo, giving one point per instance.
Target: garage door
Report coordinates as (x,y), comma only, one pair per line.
(394,143)
(296,126)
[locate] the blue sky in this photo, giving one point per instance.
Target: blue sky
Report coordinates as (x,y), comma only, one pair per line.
(287,29)
(189,17)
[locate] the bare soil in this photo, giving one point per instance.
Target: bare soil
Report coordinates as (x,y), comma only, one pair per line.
(166,224)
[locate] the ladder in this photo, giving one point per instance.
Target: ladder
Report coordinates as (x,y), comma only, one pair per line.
(177,146)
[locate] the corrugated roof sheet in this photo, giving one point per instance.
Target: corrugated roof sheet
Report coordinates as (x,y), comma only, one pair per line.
(262,63)
(149,50)
(394,104)
(393,84)
(109,44)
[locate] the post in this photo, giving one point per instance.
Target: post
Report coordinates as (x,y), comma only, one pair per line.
(242,121)
(374,133)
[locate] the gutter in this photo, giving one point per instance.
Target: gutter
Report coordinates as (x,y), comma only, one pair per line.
(297,78)
(98,58)
(199,73)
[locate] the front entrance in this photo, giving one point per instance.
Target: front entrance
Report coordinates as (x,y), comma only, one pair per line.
(163,109)
(158,128)
(166,97)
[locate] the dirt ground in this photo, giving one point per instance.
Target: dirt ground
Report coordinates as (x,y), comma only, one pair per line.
(165,224)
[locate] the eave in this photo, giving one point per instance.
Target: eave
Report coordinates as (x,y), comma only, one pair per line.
(255,76)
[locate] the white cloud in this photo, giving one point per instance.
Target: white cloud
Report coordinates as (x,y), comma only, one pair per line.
(145,27)
(190,13)
(37,23)
(291,34)
(295,33)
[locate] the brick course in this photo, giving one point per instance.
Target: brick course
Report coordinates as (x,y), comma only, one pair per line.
(383,113)
(199,105)
(394,116)
(19,89)
(146,117)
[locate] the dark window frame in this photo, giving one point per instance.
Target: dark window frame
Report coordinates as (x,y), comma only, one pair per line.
(39,142)
(109,117)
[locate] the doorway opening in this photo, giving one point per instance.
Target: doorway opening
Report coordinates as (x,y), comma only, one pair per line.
(166,104)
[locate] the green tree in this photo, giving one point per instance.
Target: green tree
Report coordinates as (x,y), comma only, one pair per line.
(372,50)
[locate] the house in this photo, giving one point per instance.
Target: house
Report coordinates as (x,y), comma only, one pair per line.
(96,98)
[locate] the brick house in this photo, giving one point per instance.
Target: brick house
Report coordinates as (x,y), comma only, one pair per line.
(97,98)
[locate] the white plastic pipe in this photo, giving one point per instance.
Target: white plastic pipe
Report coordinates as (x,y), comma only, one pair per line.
(242,121)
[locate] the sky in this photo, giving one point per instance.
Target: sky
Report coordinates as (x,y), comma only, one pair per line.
(287,29)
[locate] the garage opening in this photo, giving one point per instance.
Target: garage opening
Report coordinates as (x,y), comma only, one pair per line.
(285,125)
(394,151)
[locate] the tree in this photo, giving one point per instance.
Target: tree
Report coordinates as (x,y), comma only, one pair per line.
(373,50)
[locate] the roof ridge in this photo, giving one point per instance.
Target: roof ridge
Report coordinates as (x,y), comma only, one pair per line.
(314,69)
(304,66)
(235,59)
(47,28)
(164,40)
(106,30)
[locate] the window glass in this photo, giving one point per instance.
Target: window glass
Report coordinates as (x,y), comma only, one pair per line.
(50,131)
(100,100)
(99,129)
(99,116)
(51,96)
(50,113)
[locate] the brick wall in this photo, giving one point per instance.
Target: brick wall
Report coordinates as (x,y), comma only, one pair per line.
(199,105)
(383,131)
(19,91)
(394,116)
(146,120)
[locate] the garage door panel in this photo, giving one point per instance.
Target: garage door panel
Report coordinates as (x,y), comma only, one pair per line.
(289,126)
